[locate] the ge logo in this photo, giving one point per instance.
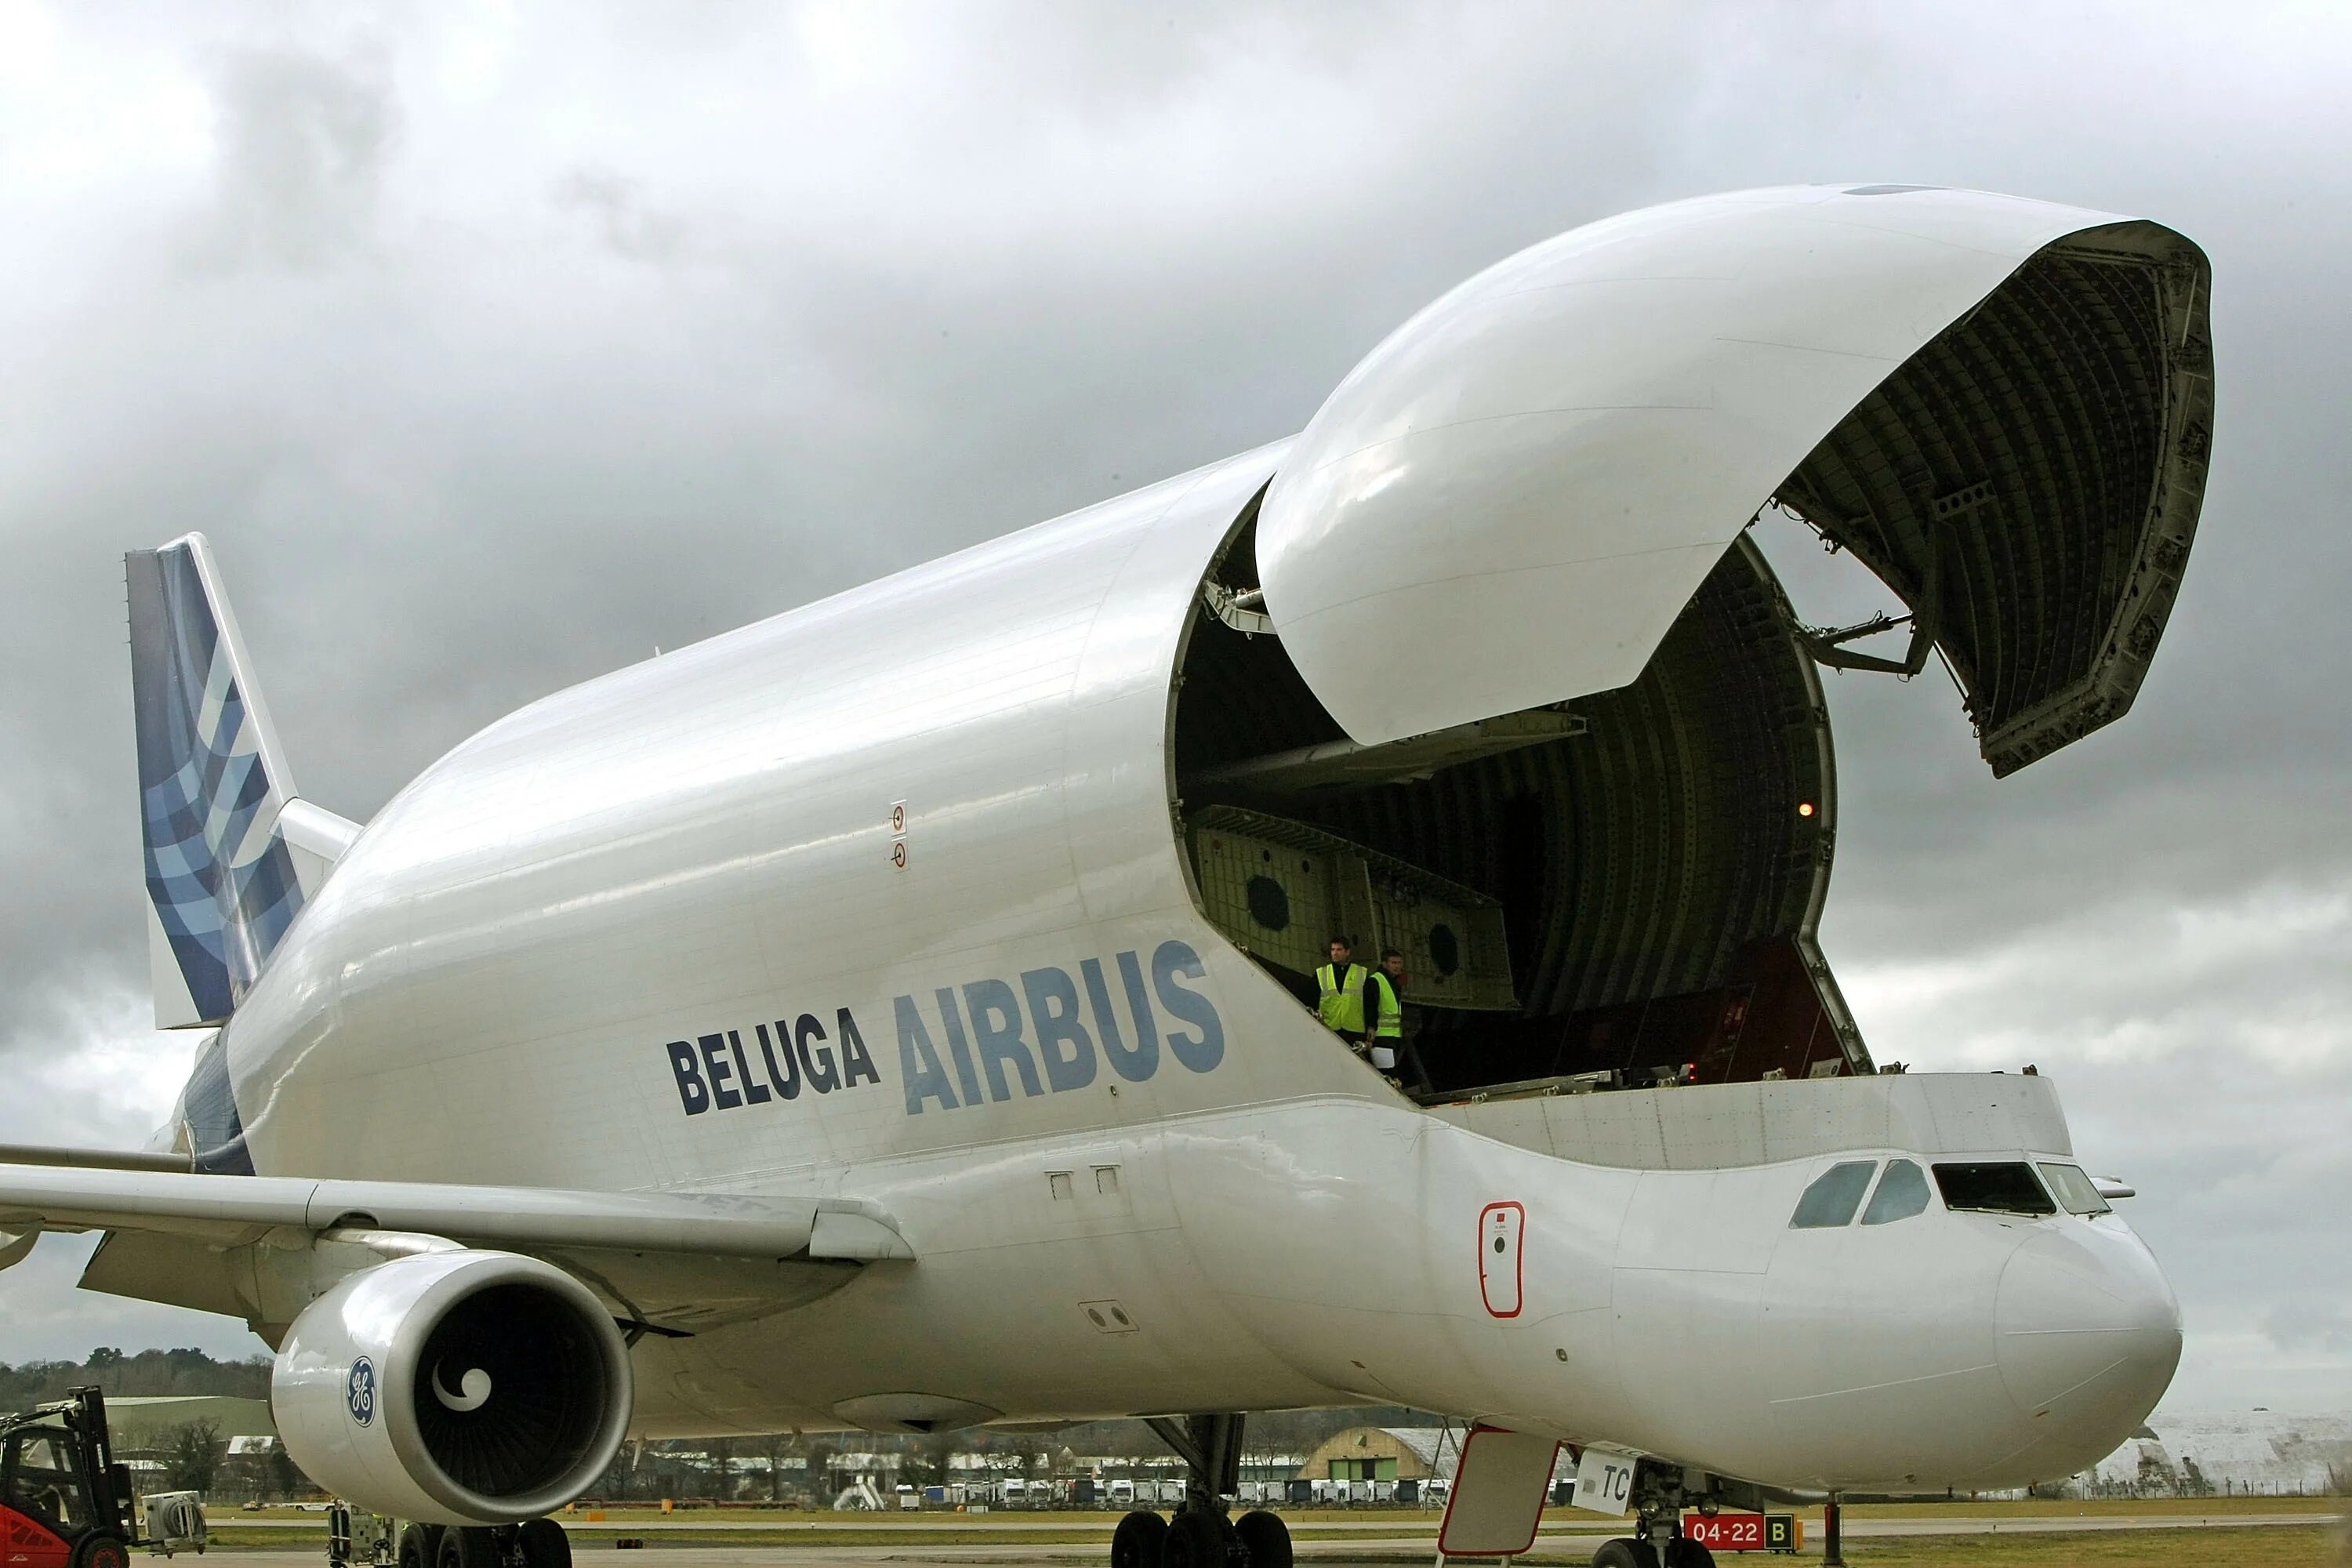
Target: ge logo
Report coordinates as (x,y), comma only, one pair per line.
(359,1391)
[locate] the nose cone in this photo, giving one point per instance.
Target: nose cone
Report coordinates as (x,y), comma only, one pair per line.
(2088,1334)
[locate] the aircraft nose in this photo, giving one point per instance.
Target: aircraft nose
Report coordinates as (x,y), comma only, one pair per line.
(2089,1333)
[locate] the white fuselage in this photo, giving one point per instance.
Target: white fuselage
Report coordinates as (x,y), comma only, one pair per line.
(550,960)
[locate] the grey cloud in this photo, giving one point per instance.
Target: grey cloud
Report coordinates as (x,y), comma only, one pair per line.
(2322,1325)
(302,145)
(49,1318)
(623,215)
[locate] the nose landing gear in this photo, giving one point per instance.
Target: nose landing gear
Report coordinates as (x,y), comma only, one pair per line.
(1660,1496)
(1681,1553)
(1203,1534)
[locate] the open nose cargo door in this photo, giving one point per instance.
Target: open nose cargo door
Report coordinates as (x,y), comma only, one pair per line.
(1527,681)
(2001,406)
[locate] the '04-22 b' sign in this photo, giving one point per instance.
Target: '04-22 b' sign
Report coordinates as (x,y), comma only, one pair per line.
(1744,1531)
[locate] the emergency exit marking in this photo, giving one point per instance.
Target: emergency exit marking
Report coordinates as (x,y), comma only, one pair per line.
(1499,1272)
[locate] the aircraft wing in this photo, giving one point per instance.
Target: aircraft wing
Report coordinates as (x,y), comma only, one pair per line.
(669,1260)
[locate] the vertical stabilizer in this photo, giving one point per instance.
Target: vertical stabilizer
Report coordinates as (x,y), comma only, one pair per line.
(228,863)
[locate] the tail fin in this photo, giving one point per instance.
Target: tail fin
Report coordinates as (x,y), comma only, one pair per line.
(232,854)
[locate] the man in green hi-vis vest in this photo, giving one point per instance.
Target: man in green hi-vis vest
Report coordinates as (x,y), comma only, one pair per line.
(1392,1048)
(1343,985)
(1387,1010)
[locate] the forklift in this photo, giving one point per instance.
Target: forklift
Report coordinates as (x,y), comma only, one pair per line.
(64,1502)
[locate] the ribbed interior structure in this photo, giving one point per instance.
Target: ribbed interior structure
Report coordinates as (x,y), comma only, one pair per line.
(1687,844)
(2029,483)
(1662,855)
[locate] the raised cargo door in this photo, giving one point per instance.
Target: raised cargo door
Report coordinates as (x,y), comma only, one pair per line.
(1508,502)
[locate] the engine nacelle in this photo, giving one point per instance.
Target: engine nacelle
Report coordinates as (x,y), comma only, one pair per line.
(459,1387)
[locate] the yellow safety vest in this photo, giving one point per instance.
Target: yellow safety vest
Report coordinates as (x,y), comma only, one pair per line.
(1388,1024)
(1342,1006)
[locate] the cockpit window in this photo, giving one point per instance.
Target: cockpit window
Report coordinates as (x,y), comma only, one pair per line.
(2007,1187)
(1835,1194)
(2076,1191)
(1901,1193)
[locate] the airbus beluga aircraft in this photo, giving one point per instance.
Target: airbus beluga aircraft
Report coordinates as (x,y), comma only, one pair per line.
(901,1013)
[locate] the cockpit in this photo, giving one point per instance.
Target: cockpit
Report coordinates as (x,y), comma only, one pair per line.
(1899,1190)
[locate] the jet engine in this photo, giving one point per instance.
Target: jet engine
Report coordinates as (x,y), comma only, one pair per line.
(454,1387)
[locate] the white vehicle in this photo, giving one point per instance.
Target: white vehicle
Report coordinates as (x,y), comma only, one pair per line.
(901,1013)
(1121,1493)
(861,1496)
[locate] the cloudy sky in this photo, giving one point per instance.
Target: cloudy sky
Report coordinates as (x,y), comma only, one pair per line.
(494,345)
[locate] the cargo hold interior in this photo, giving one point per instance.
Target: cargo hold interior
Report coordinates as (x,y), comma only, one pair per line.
(1630,882)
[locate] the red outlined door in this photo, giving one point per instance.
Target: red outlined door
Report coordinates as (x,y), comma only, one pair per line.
(1500,1487)
(1501,1273)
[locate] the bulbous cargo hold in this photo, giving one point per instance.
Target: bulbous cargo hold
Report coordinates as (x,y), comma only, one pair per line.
(1502,682)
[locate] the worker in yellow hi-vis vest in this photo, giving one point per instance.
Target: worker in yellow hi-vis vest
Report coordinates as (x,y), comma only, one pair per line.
(1392,1048)
(1386,1009)
(1343,985)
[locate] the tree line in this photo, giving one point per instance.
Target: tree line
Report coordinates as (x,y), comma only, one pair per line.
(185,1372)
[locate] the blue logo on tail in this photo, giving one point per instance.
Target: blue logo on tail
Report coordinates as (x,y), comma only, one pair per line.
(219,874)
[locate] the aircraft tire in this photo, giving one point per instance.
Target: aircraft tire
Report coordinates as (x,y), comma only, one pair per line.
(1140,1541)
(100,1550)
(1688,1553)
(1625,1554)
(1265,1538)
(420,1546)
(544,1544)
(467,1546)
(1195,1540)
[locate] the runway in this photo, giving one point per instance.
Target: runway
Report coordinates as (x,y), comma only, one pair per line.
(944,1542)
(1347,1533)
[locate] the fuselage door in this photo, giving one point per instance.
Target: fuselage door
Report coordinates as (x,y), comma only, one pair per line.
(1501,1276)
(1508,502)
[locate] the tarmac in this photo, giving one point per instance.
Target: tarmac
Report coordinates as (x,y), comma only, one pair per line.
(1333,1542)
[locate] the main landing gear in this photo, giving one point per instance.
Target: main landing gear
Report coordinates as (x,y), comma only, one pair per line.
(1203,1534)
(1659,1497)
(536,1543)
